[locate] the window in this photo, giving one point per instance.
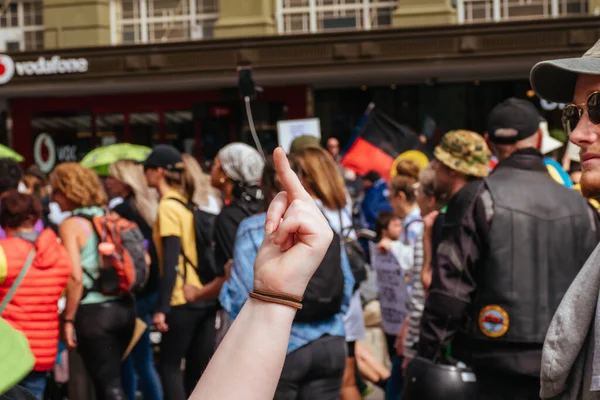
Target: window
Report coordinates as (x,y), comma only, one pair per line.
(22,27)
(477,11)
(110,128)
(144,128)
(66,137)
(310,16)
(152,21)
(180,131)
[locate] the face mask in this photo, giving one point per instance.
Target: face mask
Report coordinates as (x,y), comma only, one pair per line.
(56,215)
(22,188)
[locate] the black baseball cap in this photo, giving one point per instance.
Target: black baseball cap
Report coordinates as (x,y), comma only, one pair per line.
(164,156)
(513,120)
(372,176)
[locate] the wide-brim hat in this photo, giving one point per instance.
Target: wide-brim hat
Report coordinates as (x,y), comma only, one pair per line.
(555,80)
(465,152)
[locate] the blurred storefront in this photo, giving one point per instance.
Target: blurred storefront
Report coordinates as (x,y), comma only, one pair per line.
(59,104)
(53,130)
(426,107)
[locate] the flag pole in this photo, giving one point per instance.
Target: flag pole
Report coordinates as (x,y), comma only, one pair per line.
(356,130)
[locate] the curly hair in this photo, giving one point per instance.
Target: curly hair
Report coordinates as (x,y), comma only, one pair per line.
(80,185)
(19,209)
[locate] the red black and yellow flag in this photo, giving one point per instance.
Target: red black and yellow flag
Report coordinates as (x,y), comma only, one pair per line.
(378,143)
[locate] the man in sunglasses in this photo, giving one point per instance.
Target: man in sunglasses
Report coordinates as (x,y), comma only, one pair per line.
(512,243)
(571,357)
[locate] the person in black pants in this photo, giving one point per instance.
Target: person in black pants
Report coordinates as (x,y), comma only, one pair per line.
(188,328)
(98,326)
(101,328)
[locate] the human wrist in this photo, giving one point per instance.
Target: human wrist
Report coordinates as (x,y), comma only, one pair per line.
(289,291)
(277,298)
(271,312)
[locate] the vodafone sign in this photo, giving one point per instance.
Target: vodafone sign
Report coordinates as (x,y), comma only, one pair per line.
(42,66)
(44,152)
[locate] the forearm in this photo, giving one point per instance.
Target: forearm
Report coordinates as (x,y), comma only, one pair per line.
(172,247)
(211,290)
(257,339)
(74,293)
(427,256)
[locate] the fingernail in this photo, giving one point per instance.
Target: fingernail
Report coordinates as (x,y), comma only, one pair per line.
(269,227)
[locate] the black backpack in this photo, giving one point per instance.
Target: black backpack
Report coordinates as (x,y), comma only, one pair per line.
(203,228)
(325,291)
(355,252)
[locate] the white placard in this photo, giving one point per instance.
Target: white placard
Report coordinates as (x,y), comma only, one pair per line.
(573,152)
(289,130)
(392,287)
(549,144)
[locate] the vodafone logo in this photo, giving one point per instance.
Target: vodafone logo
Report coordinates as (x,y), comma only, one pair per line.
(42,66)
(44,152)
(7,69)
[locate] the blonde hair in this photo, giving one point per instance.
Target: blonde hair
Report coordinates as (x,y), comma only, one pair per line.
(81,186)
(322,177)
(202,184)
(146,199)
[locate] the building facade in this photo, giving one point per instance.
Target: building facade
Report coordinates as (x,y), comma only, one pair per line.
(78,74)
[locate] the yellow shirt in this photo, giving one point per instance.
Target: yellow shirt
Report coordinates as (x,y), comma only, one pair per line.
(174,219)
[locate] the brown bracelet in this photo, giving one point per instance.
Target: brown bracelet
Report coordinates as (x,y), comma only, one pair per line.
(277,298)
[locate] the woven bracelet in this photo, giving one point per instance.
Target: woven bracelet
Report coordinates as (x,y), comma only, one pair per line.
(277,298)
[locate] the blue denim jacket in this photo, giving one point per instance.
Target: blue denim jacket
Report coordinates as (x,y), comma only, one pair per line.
(234,293)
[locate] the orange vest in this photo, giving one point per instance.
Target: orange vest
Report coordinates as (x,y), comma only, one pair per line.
(33,309)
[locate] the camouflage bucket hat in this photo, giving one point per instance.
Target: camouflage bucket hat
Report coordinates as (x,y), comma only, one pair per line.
(465,152)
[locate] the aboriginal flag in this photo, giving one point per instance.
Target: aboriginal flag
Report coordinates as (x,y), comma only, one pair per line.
(378,143)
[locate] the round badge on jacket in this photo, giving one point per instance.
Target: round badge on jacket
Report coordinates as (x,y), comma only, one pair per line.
(493,321)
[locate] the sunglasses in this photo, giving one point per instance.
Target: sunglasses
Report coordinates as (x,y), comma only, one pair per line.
(572,113)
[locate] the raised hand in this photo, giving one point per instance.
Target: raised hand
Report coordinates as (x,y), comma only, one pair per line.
(297,236)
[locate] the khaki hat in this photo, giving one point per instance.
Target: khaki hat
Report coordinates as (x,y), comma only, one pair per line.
(555,80)
(465,152)
(301,142)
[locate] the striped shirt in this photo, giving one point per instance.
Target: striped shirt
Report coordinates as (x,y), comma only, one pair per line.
(416,301)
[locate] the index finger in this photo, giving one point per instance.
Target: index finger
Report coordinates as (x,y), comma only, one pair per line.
(288,178)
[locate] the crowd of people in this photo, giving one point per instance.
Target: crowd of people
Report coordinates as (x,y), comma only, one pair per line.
(264,266)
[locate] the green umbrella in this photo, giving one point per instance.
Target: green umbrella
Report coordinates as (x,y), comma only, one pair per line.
(101,158)
(7,152)
(16,356)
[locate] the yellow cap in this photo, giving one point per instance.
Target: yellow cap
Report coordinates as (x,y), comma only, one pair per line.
(415,156)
